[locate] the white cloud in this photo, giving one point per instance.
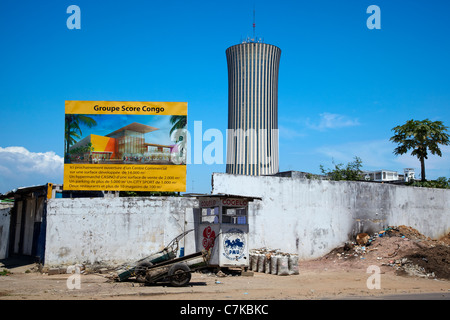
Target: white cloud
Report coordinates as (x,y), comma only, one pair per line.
(374,153)
(333,121)
(326,121)
(288,133)
(20,167)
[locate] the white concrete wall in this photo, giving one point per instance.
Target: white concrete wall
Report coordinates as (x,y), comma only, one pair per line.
(112,231)
(307,217)
(5,217)
(311,217)
(425,209)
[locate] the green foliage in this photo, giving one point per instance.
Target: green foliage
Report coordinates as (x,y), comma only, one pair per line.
(148,194)
(5,272)
(82,150)
(420,137)
(178,122)
(73,129)
(350,172)
(441,182)
(311,176)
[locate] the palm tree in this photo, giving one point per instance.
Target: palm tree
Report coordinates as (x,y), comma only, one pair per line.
(73,130)
(178,122)
(420,136)
(71,134)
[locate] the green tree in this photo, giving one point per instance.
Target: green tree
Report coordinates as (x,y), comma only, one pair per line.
(73,130)
(351,172)
(441,182)
(82,151)
(420,137)
(178,122)
(71,134)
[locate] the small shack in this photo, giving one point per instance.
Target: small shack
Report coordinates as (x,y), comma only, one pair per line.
(222,226)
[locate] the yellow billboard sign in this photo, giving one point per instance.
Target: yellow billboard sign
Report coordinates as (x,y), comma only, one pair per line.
(125,146)
(124,107)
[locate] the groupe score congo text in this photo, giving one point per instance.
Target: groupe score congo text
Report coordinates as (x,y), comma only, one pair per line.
(128,108)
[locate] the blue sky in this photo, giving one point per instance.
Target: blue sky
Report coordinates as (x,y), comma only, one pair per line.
(342,87)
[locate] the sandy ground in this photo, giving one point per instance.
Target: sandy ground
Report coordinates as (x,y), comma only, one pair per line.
(341,274)
(317,280)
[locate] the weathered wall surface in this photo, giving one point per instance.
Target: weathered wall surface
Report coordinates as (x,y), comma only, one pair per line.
(112,231)
(311,217)
(296,215)
(5,216)
(425,209)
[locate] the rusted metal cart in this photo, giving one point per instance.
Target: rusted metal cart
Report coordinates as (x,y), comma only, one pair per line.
(164,266)
(177,271)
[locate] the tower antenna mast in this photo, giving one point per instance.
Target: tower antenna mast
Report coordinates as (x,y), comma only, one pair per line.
(254,24)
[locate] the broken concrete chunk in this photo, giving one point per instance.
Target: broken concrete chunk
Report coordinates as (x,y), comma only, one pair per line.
(53,271)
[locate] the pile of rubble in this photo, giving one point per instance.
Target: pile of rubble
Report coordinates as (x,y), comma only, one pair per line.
(432,262)
(275,262)
(403,248)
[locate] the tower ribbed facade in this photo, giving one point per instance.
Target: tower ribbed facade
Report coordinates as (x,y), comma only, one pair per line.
(252,137)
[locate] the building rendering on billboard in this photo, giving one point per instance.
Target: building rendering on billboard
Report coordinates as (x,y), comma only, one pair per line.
(125,145)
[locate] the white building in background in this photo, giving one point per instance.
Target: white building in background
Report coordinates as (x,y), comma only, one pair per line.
(389,175)
(381,175)
(409,174)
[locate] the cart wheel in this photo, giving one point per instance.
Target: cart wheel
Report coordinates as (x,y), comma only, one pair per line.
(179,275)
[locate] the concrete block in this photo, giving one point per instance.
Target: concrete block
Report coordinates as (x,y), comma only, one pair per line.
(53,271)
(103,270)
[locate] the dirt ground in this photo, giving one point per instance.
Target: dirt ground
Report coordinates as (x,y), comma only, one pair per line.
(408,263)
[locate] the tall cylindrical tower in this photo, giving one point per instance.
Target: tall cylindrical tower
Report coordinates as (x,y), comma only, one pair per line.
(252,137)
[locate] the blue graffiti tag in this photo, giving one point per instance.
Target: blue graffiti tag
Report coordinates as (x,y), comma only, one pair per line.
(234,244)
